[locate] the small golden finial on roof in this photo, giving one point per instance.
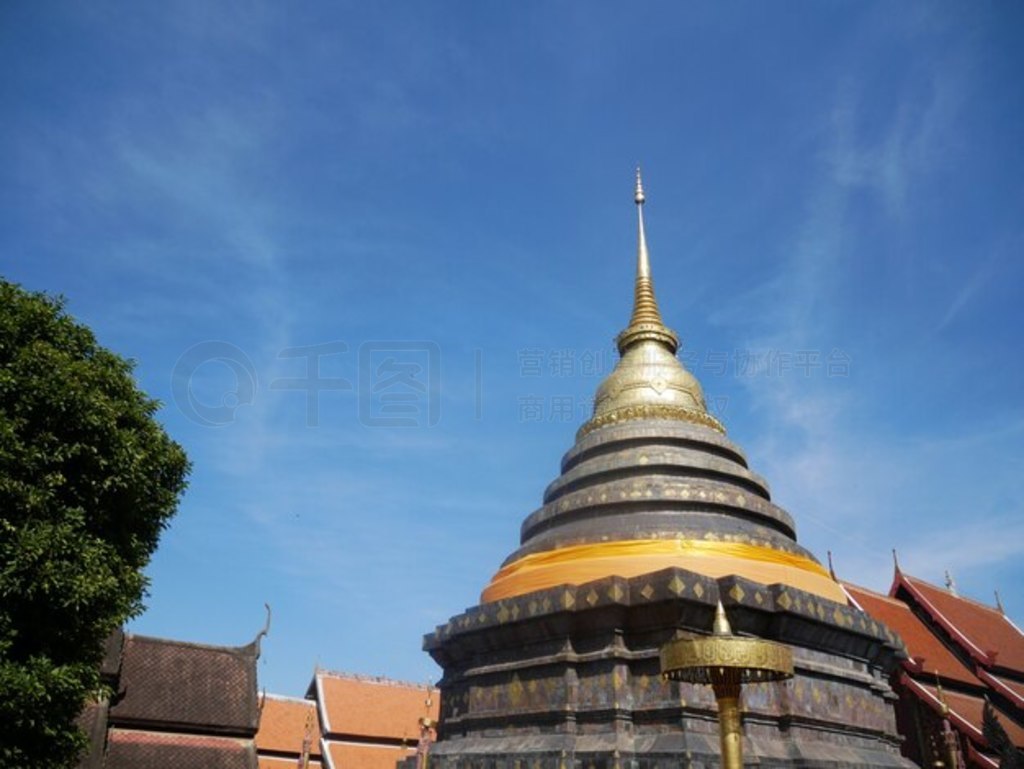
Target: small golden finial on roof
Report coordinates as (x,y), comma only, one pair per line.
(941,694)
(721,626)
(950,584)
(646,322)
(895,560)
(999,603)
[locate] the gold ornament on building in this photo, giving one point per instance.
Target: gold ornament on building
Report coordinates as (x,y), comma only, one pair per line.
(725,662)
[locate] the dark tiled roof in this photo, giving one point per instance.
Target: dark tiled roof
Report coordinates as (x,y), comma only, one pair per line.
(209,689)
(922,646)
(93,721)
(982,630)
(133,749)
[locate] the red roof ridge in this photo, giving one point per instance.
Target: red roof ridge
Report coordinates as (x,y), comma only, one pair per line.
(975,601)
(1002,687)
(372,679)
(289,698)
(188,644)
(981,654)
(873,594)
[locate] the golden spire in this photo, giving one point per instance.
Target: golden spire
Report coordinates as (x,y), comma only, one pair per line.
(646,322)
(648,382)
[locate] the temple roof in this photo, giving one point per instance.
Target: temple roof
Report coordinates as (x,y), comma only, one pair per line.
(287,762)
(927,653)
(173,684)
(283,725)
(985,633)
(341,755)
(138,749)
(174,704)
(966,711)
(371,707)
(953,640)
(1012,690)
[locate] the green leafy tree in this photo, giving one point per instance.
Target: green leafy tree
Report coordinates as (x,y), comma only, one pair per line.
(998,740)
(88,480)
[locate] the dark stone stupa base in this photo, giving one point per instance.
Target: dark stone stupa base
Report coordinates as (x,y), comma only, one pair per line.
(568,678)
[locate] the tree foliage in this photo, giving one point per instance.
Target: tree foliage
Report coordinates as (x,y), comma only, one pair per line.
(88,480)
(999,741)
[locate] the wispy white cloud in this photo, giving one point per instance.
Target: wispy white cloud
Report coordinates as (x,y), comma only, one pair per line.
(856,491)
(913,143)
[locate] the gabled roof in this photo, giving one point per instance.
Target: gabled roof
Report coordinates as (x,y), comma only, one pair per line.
(966,711)
(349,755)
(373,708)
(166,684)
(283,726)
(927,653)
(983,632)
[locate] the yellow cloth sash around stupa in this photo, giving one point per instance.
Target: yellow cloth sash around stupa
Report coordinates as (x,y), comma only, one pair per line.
(578,564)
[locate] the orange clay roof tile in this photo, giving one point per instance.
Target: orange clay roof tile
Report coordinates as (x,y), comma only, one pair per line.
(372,707)
(283,725)
(286,762)
(346,755)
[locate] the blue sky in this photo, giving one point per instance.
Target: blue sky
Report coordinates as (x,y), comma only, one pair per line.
(835,197)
